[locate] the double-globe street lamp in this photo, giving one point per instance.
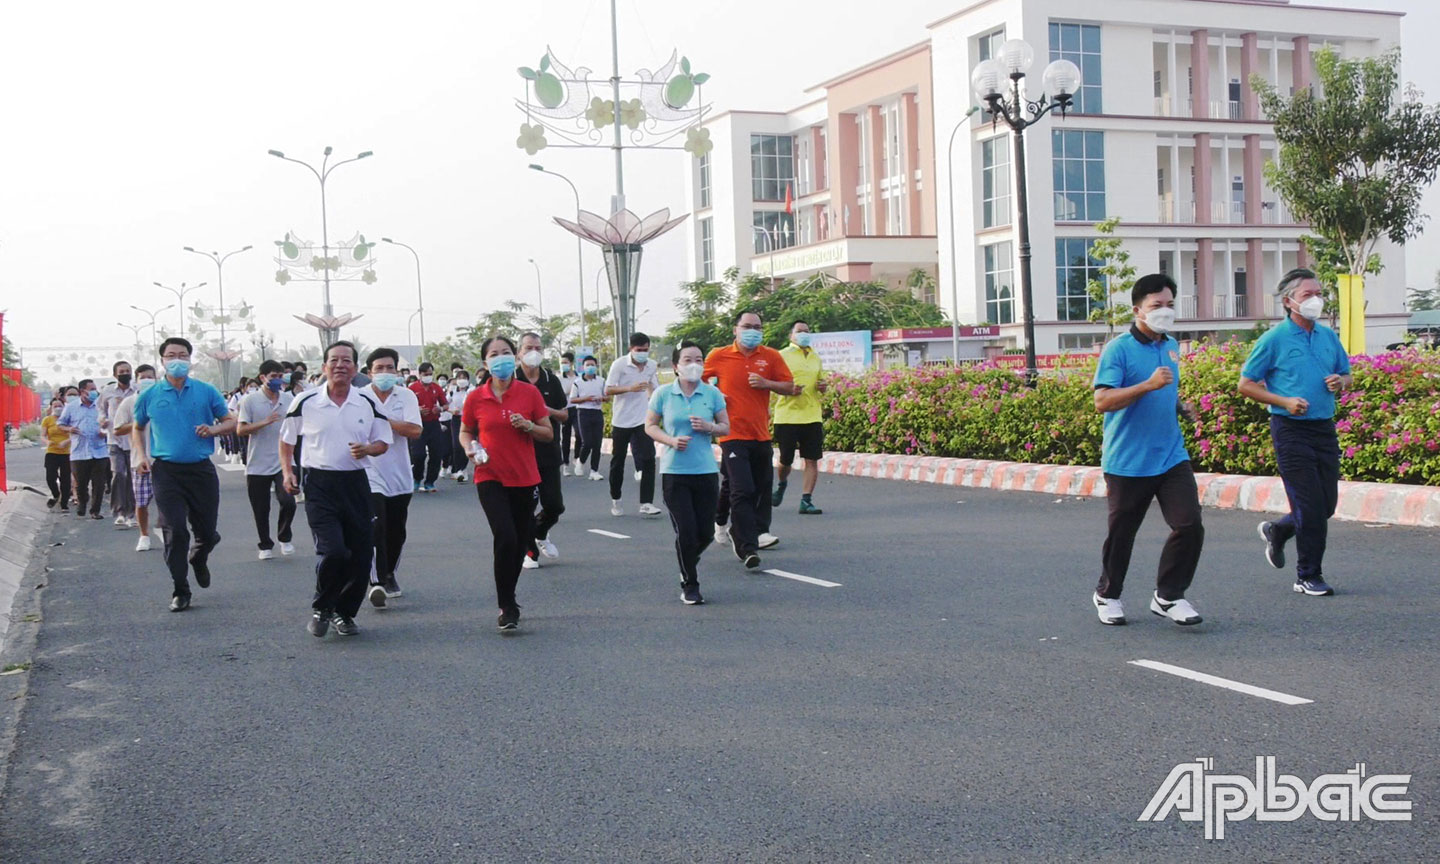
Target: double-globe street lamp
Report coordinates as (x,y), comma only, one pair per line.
(180,298)
(154,339)
(220,280)
(1059,82)
(579,246)
(539,295)
(419,295)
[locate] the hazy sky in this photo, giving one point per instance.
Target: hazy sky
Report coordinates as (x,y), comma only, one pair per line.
(133,129)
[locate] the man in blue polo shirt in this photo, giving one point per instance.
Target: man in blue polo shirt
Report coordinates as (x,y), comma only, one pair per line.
(176,424)
(1296,368)
(1137,387)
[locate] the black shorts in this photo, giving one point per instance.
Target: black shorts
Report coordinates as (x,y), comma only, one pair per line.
(809,437)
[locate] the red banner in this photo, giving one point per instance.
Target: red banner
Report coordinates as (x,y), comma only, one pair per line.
(18,405)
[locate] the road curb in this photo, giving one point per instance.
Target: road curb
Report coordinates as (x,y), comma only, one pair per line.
(22,520)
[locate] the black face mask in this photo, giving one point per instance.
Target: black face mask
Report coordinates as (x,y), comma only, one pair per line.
(124,380)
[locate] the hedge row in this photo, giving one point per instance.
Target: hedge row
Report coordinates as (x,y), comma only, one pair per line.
(1388,423)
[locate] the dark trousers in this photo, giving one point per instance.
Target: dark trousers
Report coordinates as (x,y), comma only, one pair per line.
(642,447)
(445,440)
(392,512)
(592,432)
(510,510)
(552,502)
(1129,499)
(691,500)
(122,492)
(91,478)
(749,468)
(57,477)
(257,487)
(186,492)
(428,443)
(458,460)
(569,427)
(337,506)
(1308,453)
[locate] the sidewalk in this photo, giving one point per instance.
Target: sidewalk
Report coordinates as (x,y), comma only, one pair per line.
(23,519)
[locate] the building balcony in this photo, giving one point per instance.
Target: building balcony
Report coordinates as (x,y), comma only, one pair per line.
(1181,211)
(1184,106)
(862,257)
(1227,306)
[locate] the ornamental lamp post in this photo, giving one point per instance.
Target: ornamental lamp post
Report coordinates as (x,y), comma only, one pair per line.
(419,294)
(220,284)
(1059,83)
(579,244)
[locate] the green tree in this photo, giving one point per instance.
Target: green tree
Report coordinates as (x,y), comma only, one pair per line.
(1110,294)
(1424,299)
(12,361)
(1355,153)
(449,351)
(1329,262)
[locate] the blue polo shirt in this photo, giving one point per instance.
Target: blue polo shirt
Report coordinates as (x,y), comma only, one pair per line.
(171,416)
(1293,361)
(1143,439)
(675,410)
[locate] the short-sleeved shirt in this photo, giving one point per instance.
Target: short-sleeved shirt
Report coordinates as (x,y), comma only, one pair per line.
(805,368)
(567,381)
(124,413)
(110,398)
(1143,439)
(511,450)
(57,440)
(432,400)
(553,392)
(389,472)
(330,429)
(675,410)
(263,457)
(749,407)
(627,410)
(89,441)
(1293,361)
(170,417)
(586,388)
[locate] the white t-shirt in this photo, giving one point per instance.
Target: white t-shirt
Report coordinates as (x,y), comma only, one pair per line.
(567,381)
(457,400)
(263,456)
(389,472)
(627,410)
(588,387)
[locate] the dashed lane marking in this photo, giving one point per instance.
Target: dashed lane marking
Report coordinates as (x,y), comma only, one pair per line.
(808,580)
(611,534)
(1215,681)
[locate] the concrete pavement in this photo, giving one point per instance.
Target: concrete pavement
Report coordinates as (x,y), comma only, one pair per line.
(953,699)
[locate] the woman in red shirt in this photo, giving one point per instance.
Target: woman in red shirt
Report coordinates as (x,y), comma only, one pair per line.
(499,425)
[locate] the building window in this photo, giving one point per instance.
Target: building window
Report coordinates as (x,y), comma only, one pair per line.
(778,226)
(705,181)
(999,284)
(804,168)
(707,249)
(894,170)
(995,182)
(1079,168)
(990,44)
(772,166)
(1074,268)
(823,175)
(1081,341)
(1080,44)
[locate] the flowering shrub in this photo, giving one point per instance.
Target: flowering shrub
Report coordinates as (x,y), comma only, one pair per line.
(1388,423)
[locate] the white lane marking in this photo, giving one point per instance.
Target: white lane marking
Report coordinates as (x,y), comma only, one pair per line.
(609,534)
(1238,687)
(226,466)
(806,579)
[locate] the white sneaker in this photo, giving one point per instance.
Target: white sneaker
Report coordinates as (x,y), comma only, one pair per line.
(565,470)
(616,509)
(143,544)
(119,521)
(547,548)
(650,510)
(768,540)
(1111,611)
(130,522)
(596,475)
(579,468)
(722,534)
(1180,611)
(287,548)
(530,563)
(266,554)
(639,475)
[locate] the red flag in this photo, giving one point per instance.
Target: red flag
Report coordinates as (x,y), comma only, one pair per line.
(789,200)
(4,411)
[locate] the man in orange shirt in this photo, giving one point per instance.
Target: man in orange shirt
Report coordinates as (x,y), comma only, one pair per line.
(747,374)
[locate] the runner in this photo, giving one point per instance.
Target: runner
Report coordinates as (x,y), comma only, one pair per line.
(460,388)
(569,427)
(341,427)
(188,416)
(1137,388)
(391,482)
(502,420)
(57,455)
(261,414)
(431,397)
(89,455)
(587,393)
(140,485)
(631,380)
(442,442)
(684,415)
(547,453)
(797,419)
(122,498)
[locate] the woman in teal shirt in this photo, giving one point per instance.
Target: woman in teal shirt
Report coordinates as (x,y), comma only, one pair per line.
(685,415)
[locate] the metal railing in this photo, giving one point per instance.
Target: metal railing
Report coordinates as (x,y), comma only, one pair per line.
(1187,306)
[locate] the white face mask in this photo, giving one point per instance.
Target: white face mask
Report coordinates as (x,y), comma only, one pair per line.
(462,383)
(691,372)
(1313,308)
(1160,320)
(427,379)
(532,358)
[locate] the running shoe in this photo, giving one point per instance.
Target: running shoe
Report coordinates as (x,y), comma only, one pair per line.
(119,521)
(52,502)
(319,623)
(650,510)
(202,574)
(690,596)
(596,475)
(1111,611)
(722,533)
(377,595)
(287,548)
(266,554)
(530,563)
(768,540)
(547,548)
(180,602)
(752,561)
(1180,611)
(777,496)
(460,478)
(428,487)
(1315,587)
(616,509)
(509,620)
(143,544)
(392,588)
(808,509)
(1274,547)
(344,625)
(565,469)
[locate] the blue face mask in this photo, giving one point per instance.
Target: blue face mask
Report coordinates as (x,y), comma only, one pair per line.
(641,357)
(285,379)
(803,339)
(177,368)
(750,338)
(92,396)
(502,367)
(385,381)
(72,400)
(564,368)
(274,384)
(591,371)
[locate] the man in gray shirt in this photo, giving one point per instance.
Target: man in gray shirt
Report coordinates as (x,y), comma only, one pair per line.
(260,416)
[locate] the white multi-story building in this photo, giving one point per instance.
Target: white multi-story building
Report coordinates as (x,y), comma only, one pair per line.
(1165,134)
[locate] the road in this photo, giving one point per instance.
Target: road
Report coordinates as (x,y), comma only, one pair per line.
(953,699)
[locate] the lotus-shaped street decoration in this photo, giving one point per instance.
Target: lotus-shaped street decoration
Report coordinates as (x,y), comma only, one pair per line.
(622,229)
(327,322)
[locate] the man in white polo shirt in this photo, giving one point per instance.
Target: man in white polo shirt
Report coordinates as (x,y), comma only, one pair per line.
(631,380)
(341,427)
(391,482)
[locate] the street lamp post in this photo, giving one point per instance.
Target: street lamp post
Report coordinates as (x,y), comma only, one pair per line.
(220,284)
(769,241)
(419,293)
(180,298)
(322,175)
(154,341)
(579,246)
(954,272)
(135,331)
(1060,81)
(539,297)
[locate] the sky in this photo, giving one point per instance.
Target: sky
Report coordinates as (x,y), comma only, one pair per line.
(132,130)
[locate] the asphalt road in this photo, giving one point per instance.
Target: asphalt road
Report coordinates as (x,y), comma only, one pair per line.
(954,699)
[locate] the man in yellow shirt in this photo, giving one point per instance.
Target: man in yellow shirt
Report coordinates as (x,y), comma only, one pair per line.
(797,418)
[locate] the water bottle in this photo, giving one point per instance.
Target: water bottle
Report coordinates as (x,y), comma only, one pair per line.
(481,457)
